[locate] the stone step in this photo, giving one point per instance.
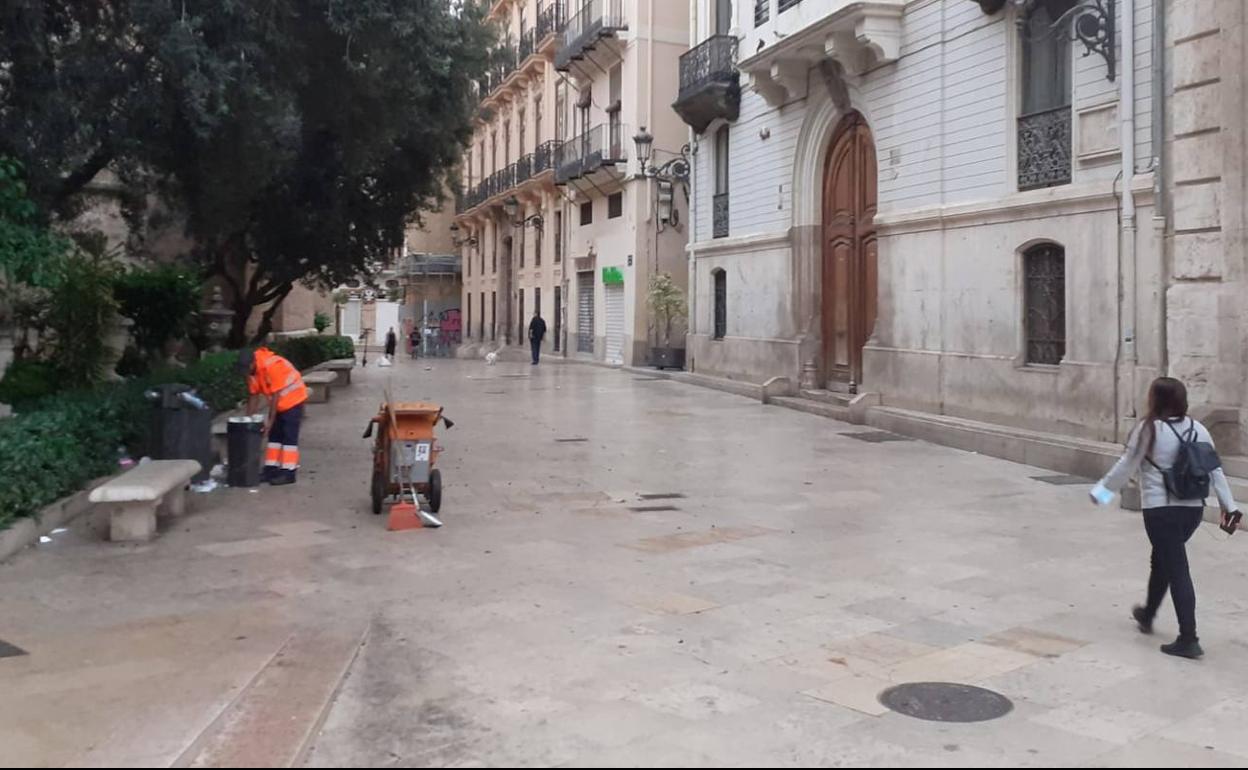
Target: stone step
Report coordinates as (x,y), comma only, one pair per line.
(813,406)
(828,397)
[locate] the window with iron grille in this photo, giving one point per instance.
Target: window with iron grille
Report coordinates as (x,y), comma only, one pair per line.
(721,304)
(615,205)
(520,247)
(481,323)
(587,213)
(1044,123)
(1044,303)
(558,237)
(468,317)
(493,315)
(785,5)
(558,315)
(523,318)
(723,16)
(537,245)
(720,200)
(762,12)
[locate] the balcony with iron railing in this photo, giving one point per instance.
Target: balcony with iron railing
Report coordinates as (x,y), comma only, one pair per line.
(719,215)
(550,22)
(523,170)
(1044,144)
(602,147)
(544,156)
(710,86)
(506,180)
(528,45)
(597,19)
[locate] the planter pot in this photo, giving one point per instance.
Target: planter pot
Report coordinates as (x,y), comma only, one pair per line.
(667,358)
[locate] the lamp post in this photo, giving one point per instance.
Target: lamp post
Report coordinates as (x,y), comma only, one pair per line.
(674,170)
(511,205)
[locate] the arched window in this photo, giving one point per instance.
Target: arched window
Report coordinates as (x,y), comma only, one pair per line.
(721,303)
(1044,303)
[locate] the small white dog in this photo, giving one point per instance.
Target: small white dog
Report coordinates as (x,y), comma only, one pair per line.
(491,358)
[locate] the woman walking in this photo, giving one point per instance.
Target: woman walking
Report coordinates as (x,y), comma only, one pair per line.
(1170,518)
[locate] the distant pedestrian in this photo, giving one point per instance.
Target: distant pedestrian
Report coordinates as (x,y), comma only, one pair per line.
(413,342)
(392,343)
(1173,457)
(537,331)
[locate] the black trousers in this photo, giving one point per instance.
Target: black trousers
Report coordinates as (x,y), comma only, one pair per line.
(537,349)
(1169,529)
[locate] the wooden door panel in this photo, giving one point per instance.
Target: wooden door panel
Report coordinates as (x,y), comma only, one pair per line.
(850,272)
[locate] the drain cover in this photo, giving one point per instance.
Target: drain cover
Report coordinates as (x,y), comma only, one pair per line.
(650,379)
(661,495)
(9,651)
(946,702)
(876,436)
(652,508)
(570,440)
(1063,481)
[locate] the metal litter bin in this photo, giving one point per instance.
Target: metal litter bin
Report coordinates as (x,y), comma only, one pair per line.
(244,440)
(180,427)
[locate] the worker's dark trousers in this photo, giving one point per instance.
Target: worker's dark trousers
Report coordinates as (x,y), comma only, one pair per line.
(281,457)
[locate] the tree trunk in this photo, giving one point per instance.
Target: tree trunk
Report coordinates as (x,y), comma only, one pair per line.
(266,320)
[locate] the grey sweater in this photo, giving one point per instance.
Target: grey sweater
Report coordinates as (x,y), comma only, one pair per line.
(1165,450)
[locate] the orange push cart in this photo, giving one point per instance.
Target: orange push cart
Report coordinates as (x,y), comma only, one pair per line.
(405,451)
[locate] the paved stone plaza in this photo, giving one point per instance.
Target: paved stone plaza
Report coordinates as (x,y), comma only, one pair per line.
(749,615)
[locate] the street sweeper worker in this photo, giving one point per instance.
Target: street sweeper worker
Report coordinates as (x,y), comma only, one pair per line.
(269,376)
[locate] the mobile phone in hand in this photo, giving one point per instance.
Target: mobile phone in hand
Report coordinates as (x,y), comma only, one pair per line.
(1230,522)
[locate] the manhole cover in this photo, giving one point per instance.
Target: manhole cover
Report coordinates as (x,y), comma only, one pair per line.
(876,437)
(946,702)
(1063,481)
(9,651)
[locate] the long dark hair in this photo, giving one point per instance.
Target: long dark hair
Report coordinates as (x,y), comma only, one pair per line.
(1167,400)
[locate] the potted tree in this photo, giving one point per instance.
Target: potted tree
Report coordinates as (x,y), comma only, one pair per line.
(667,304)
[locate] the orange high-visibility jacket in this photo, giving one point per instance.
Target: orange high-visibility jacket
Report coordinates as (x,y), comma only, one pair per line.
(275,376)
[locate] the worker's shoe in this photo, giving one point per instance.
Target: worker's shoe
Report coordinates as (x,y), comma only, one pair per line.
(281,478)
(268,474)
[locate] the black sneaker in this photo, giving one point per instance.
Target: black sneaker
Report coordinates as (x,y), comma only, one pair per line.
(1142,620)
(283,478)
(1184,648)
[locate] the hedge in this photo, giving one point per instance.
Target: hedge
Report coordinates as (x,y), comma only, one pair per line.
(66,440)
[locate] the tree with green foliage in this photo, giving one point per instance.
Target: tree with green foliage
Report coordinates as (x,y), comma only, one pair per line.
(76,95)
(161,302)
(347,119)
(297,137)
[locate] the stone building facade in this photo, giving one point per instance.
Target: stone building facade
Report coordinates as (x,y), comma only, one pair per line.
(555,213)
(1015,211)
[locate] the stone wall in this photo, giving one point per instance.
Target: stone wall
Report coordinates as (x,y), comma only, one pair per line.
(1207,311)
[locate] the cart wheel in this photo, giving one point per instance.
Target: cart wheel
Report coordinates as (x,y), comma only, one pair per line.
(379,492)
(435,490)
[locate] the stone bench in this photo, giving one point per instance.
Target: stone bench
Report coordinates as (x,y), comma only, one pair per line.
(340,366)
(318,385)
(136,496)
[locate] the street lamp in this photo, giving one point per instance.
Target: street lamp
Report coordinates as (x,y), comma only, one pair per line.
(455,239)
(674,170)
(511,205)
